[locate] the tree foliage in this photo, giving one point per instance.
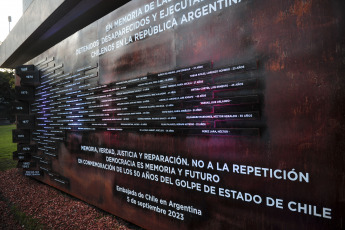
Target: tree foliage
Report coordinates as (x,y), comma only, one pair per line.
(7,94)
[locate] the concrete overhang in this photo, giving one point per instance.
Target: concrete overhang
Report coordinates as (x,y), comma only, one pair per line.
(46,23)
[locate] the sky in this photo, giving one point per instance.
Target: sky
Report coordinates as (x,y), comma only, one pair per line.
(13,8)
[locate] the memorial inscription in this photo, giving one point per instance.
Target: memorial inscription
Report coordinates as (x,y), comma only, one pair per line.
(78,106)
(190,115)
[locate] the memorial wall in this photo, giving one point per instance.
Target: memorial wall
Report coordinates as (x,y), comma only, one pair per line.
(194,114)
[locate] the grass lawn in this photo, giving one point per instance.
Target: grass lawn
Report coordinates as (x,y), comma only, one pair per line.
(7,147)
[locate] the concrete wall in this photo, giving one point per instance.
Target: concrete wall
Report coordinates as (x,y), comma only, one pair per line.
(26,4)
(46,23)
(34,16)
